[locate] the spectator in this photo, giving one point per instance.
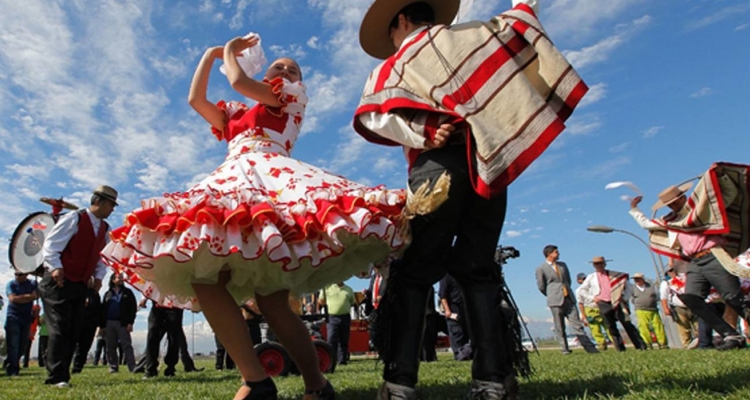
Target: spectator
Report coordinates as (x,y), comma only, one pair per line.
(672,286)
(611,291)
(92,310)
(100,352)
(452,302)
(118,316)
(553,281)
(430,330)
(43,340)
(645,301)
(21,294)
(339,299)
(223,359)
(35,310)
(591,315)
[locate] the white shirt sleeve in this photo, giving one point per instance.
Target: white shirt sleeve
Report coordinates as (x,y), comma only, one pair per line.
(394,127)
(58,239)
(101,267)
(534,4)
(643,221)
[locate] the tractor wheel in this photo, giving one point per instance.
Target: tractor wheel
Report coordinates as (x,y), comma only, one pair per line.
(274,358)
(326,356)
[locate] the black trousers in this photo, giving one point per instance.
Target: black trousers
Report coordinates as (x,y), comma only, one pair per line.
(42,350)
(161,321)
(703,273)
(611,315)
(180,341)
(459,238)
(222,356)
(338,328)
(83,344)
(100,352)
(63,307)
(429,341)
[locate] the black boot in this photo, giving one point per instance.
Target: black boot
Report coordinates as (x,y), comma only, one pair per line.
(491,341)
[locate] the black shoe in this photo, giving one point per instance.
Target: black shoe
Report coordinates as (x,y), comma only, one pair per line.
(327,393)
(201,369)
(263,390)
(169,372)
(139,370)
(392,391)
(148,376)
(732,342)
(76,371)
(484,390)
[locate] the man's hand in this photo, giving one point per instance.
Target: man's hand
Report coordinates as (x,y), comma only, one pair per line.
(441,136)
(58,275)
(636,200)
(130,327)
(667,312)
(97,284)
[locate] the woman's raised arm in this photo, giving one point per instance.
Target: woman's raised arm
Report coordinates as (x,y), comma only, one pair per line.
(198,88)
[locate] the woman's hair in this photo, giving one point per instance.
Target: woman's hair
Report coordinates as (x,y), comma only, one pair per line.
(419,13)
(112,278)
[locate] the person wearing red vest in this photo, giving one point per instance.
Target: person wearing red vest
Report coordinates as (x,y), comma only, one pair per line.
(71,259)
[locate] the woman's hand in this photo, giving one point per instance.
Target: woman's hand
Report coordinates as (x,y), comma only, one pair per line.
(238,44)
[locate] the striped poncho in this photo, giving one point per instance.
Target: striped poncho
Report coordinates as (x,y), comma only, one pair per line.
(504,78)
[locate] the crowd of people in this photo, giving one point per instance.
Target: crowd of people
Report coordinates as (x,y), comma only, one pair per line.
(263,227)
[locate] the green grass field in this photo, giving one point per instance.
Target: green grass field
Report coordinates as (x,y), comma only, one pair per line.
(657,374)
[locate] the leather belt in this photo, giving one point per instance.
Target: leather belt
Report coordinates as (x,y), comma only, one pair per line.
(700,254)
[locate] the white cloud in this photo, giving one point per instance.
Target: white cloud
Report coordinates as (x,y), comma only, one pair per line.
(601,50)
(294,51)
(313,42)
(741,27)
(619,148)
(718,16)
(581,124)
(702,92)
(580,18)
(513,234)
(596,92)
(652,131)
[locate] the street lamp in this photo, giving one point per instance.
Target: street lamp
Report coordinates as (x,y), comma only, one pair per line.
(607,229)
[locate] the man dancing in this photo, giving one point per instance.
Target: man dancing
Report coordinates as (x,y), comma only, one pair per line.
(451,95)
(696,230)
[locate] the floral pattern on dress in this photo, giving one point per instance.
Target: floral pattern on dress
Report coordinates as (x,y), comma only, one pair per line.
(273,221)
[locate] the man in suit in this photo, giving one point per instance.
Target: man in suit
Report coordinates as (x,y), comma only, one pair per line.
(553,280)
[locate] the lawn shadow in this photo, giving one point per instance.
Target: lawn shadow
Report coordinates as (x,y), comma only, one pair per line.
(617,385)
(605,385)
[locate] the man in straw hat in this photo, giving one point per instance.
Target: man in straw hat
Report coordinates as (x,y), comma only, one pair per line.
(683,233)
(71,259)
(611,291)
(473,102)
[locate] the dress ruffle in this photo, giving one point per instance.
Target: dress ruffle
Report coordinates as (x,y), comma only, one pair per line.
(337,230)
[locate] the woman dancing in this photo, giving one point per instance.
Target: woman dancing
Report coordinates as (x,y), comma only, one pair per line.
(261,225)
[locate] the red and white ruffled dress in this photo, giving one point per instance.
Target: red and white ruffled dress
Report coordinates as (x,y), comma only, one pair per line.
(273,221)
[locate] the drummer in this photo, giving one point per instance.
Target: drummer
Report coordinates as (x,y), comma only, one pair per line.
(71,258)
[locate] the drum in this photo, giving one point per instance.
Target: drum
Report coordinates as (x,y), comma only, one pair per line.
(25,250)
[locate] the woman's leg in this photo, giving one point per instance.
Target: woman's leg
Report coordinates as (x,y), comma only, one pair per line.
(225,318)
(293,334)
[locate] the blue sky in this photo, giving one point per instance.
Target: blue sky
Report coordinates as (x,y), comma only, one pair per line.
(95,92)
